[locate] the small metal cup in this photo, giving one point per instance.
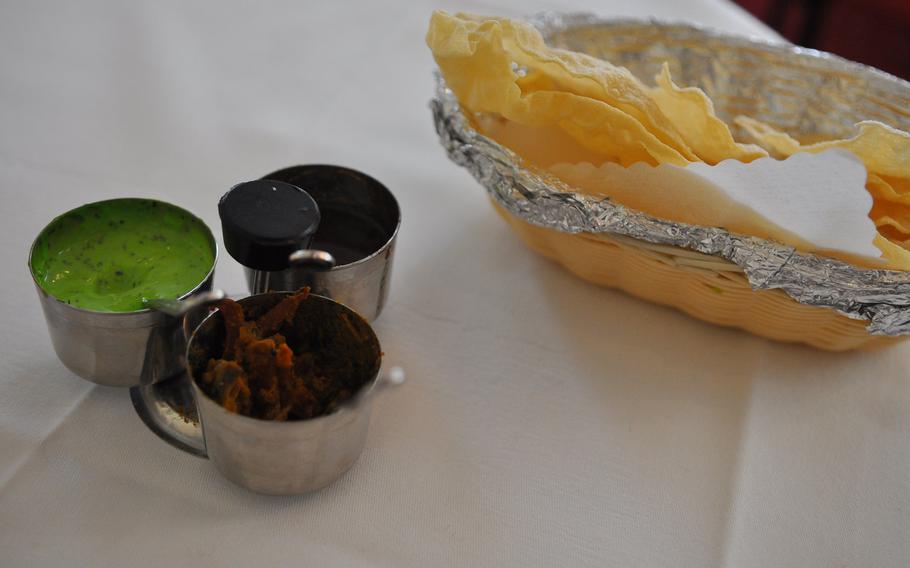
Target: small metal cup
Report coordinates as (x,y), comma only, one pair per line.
(359,225)
(277,458)
(125,349)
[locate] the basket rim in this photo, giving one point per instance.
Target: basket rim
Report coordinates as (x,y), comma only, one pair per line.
(551,22)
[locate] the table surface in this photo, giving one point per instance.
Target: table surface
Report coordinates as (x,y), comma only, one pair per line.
(546,421)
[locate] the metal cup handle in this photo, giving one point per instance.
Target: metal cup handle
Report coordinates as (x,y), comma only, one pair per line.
(180,308)
(168,407)
(308,259)
(313,259)
(169,410)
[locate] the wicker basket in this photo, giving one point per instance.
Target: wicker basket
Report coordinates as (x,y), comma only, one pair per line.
(808,93)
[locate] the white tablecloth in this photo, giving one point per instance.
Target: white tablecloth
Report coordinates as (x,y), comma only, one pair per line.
(546,421)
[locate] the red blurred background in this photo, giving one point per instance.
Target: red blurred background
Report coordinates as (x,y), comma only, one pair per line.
(874,32)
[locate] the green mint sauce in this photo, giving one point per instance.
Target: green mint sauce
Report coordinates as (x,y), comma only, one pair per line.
(112,255)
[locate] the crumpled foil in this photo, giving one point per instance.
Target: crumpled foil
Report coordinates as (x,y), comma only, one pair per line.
(824,95)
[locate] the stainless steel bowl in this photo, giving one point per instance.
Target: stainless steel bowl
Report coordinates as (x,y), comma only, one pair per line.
(279,458)
(125,349)
(359,227)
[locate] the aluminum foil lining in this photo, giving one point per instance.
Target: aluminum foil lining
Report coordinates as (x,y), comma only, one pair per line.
(805,92)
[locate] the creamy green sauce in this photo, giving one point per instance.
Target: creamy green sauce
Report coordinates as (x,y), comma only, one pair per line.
(113,255)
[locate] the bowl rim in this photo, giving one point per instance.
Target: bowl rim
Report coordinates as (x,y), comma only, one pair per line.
(550,23)
(351,405)
(386,191)
(62,304)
